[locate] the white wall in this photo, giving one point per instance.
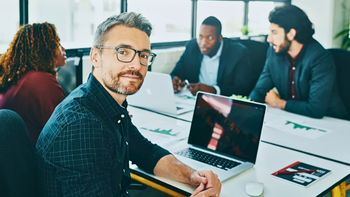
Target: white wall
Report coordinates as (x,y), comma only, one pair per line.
(166,59)
(338,21)
(327,17)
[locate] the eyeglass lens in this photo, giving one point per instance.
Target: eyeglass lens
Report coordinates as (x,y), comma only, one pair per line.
(127,55)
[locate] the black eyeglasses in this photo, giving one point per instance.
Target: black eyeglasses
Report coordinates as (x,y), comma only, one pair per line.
(126,55)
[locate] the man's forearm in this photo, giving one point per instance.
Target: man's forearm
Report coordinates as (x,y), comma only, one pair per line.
(171,168)
(273,99)
(281,104)
(207,88)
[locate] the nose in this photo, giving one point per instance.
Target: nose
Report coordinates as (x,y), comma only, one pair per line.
(269,38)
(202,42)
(135,63)
(62,47)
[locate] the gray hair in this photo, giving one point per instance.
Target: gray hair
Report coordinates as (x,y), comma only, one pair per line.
(129,19)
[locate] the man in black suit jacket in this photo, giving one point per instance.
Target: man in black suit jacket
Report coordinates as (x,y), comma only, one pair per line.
(302,71)
(214,64)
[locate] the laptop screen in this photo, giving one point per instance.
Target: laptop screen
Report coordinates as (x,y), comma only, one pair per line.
(227,125)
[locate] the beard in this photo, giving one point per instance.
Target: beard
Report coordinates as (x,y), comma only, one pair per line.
(284,47)
(114,84)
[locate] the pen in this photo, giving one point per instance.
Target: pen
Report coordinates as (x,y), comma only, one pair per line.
(185,82)
(295,172)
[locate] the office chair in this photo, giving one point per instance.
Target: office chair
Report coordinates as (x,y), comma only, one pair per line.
(17,164)
(257,53)
(342,62)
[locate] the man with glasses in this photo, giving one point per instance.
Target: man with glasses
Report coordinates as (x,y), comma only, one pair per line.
(214,64)
(85,147)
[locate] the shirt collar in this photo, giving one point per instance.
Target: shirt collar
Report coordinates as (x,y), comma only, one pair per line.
(218,53)
(110,105)
(293,61)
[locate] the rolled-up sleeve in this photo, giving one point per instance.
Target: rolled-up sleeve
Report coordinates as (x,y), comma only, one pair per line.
(144,153)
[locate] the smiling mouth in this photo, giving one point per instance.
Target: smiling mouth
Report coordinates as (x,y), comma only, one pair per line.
(133,77)
(204,49)
(275,47)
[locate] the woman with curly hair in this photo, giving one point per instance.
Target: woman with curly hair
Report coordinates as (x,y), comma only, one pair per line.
(28,76)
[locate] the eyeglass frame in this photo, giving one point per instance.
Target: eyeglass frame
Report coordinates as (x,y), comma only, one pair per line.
(136,51)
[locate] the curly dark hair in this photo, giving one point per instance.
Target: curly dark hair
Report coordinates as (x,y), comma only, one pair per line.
(290,16)
(34,47)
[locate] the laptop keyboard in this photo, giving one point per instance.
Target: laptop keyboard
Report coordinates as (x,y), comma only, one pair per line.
(207,158)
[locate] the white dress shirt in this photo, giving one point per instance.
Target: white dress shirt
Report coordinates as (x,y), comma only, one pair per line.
(208,72)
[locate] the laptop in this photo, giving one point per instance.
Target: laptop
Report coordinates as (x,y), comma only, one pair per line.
(157,94)
(224,135)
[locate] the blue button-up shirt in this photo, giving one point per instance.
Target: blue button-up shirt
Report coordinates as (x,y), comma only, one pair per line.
(85,147)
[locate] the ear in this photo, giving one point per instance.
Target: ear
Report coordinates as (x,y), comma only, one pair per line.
(95,56)
(220,38)
(291,34)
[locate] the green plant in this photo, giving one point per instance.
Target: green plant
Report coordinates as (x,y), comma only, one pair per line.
(240,97)
(345,44)
(245,30)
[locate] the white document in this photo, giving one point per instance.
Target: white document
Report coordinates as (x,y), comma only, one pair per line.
(161,132)
(185,97)
(298,127)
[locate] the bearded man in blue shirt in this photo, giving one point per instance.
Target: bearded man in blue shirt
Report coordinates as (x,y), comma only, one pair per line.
(85,147)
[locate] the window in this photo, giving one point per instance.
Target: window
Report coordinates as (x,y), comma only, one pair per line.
(230,14)
(9,23)
(171,20)
(75,20)
(258,14)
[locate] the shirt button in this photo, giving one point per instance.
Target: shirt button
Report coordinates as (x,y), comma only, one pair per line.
(292,82)
(119,121)
(124,170)
(126,143)
(122,116)
(293,96)
(293,68)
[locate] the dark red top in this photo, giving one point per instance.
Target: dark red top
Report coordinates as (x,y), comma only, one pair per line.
(33,97)
(292,66)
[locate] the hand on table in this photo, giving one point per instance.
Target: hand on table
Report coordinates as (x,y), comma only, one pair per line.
(177,84)
(274,100)
(207,182)
(195,87)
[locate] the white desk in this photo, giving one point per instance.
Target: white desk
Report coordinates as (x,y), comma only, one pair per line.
(187,116)
(185,98)
(333,145)
(270,159)
(141,116)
